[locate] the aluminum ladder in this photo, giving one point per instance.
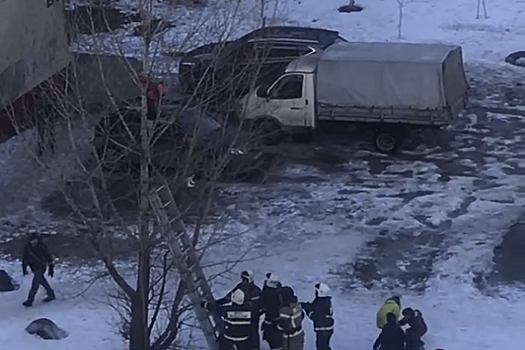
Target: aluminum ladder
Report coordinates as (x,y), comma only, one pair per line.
(187,261)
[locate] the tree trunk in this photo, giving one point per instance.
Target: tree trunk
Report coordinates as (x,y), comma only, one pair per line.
(139,335)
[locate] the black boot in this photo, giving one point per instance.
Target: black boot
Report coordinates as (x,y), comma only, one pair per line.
(27,303)
(49,298)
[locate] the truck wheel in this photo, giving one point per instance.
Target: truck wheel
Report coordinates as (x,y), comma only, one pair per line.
(388,141)
(269,132)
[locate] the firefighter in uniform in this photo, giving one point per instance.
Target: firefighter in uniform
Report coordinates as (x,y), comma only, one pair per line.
(290,320)
(321,313)
(271,302)
(253,296)
(238,316)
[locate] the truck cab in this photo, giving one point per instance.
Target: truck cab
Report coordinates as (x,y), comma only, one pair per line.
(288,102)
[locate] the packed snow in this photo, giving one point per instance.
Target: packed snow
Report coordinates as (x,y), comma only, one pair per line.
(436,212)
(458,315)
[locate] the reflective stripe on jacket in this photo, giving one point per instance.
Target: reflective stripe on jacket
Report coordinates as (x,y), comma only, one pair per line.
(290,320)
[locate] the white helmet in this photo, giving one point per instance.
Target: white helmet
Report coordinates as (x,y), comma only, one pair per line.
(247,275)
(322,290)
(272,280)
(237,297)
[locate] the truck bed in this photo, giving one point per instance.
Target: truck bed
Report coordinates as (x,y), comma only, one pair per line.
(418,84)
(381,115)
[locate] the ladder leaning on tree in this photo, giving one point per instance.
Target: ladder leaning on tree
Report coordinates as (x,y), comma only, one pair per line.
(187,261)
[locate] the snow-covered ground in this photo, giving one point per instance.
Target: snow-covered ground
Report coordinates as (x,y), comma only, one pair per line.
(484,40)
(423,224)
(447,21)
(459,316)
(426,220)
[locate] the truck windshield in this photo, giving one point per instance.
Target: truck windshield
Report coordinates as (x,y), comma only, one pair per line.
(288,88)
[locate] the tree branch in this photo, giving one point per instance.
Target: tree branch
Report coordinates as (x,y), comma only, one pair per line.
(170,332)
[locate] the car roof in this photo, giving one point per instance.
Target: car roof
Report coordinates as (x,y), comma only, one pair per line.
(283,34)
(290,32)
(284,41)
(316,35)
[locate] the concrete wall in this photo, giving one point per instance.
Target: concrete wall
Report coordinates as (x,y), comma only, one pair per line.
(33,44)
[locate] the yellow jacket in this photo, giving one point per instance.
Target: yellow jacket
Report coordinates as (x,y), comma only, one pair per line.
(390,306)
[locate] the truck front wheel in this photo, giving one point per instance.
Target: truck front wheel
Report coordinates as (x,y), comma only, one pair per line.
(388,141)
(268,131)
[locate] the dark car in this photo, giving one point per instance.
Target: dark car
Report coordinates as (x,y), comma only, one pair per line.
(191,144)
(233,67)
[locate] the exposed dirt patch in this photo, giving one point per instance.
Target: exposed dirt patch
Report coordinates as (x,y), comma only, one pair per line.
(509,258)
(395,260)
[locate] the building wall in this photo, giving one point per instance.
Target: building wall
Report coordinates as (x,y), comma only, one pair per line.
(33,45)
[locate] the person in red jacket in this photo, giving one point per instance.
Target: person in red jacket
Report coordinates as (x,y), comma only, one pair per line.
(154,93)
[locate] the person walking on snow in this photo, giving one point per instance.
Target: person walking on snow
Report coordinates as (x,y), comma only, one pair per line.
(391,305)
(36,256)
(321,313)
(271,302)
(290,320)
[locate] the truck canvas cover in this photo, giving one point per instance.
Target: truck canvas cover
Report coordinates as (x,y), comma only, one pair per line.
(391,75)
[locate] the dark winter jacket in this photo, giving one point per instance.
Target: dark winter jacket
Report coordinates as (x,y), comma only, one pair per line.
(290,320)
(321,313)
(392,336)
(237,320)
(253,295)
(36,257)
(416,323)
(271,302)
(250,290)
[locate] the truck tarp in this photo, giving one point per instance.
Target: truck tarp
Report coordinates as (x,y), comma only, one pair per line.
(391,75)
(33,45)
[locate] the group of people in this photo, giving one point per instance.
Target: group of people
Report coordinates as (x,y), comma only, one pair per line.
(282,327)
(242,308)
(392,336)
(283,314)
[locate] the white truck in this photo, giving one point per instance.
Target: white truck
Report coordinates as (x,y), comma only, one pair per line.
(388,89)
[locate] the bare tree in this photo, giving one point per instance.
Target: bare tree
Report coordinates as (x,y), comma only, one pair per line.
(132,152)
(481,6)
(400,15)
